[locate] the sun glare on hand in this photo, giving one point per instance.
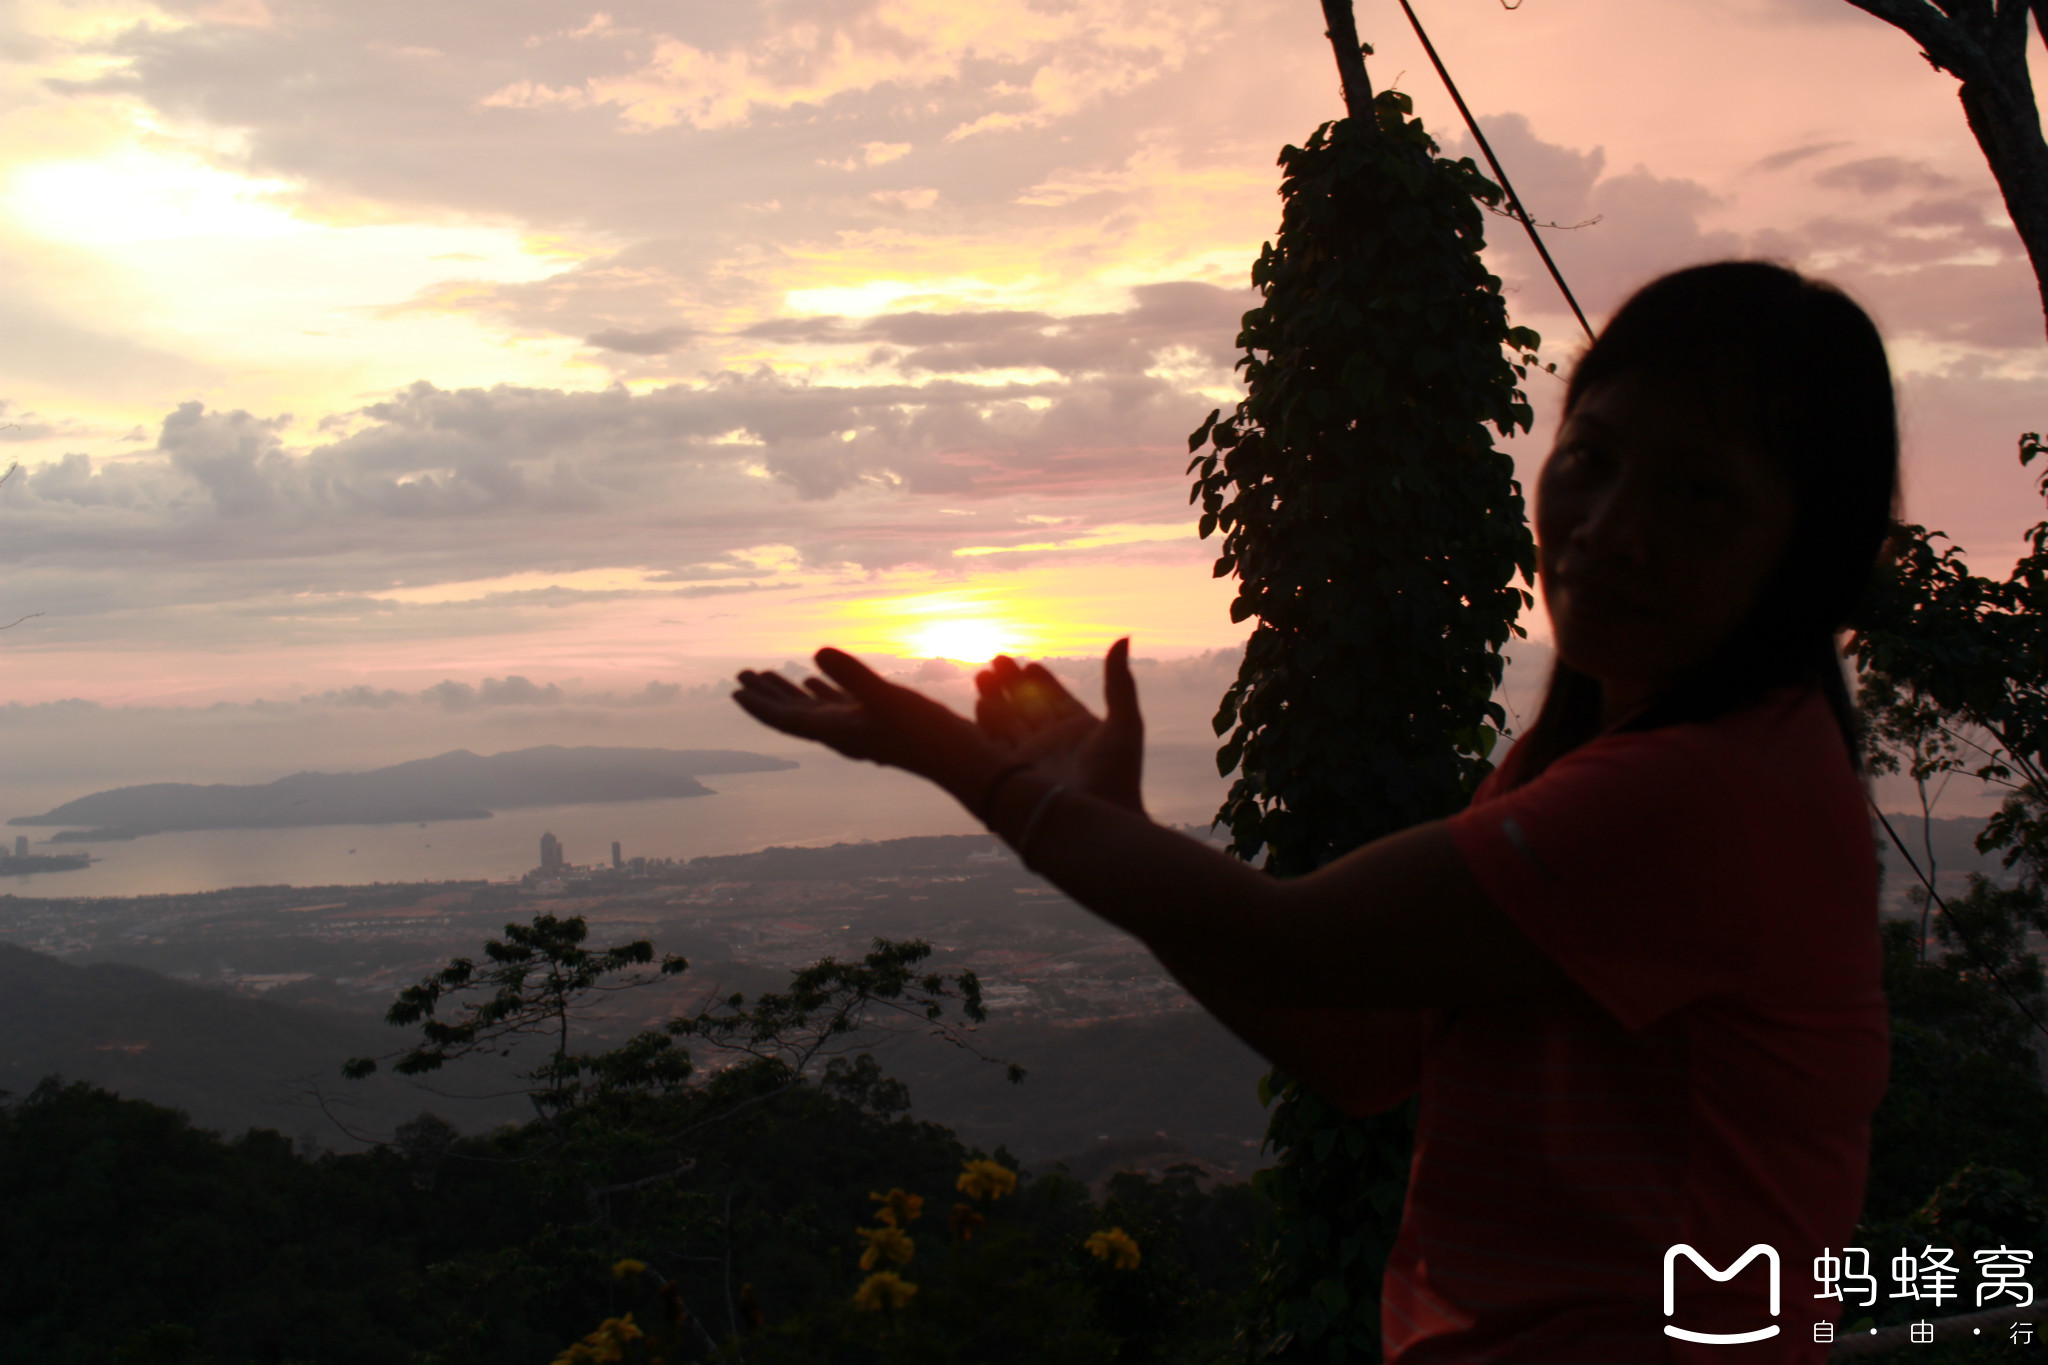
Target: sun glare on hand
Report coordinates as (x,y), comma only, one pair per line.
(970,642)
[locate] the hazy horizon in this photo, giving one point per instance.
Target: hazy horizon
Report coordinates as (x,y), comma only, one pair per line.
(62,751)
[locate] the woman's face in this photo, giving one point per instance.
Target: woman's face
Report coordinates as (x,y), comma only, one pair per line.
(1657,529)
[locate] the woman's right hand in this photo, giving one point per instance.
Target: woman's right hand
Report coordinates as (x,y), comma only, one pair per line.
(861,714)
(1029,712)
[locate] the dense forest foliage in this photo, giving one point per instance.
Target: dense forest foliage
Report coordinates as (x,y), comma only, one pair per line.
(128,1235)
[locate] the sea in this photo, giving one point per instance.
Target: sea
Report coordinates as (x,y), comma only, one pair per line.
(825,801)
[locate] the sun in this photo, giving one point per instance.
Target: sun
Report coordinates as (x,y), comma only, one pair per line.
(968,642)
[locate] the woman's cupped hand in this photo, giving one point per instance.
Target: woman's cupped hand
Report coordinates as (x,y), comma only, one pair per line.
(1033,715)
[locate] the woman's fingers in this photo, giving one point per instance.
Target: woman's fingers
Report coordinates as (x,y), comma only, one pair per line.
(769,685)
(861,683)
(992,710)
(777,713)
(1049,693)
(826,692)
(1119,688)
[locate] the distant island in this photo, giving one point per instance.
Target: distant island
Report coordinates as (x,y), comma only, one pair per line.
(28,864)
(453,786)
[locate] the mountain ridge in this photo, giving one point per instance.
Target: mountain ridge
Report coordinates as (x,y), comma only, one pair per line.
(457,785)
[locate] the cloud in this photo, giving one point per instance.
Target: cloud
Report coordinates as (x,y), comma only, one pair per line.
(1199,317)
(1882,174)
(679,156)
(486,97)
(1931,252)
(527,499)
(236,458)
(513,691)
(16,427)
(1792,156)
(864,268)
(660,341)
(1637,224)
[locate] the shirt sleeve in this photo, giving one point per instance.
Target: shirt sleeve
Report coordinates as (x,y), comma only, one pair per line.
(1626,862)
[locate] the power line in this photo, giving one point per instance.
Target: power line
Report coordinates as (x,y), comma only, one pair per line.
(1514,200)
(1983,963)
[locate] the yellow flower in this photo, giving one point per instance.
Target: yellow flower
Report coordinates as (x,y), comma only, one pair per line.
(628,1269)
(897,1208)
(1114,1246)
(607,1343)
(986,1180)
(885,1244)
(965,1222)
(884,1290)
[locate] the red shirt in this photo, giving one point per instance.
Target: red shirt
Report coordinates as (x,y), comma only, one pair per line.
(1712,889)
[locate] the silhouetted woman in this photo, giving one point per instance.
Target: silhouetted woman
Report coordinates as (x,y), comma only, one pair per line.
(1635,983)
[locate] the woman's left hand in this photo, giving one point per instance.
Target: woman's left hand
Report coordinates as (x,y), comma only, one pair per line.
(1027,709)
(861,714)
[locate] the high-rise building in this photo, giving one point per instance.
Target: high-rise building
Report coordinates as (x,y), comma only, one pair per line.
(21,847)
(550,852)
(617,861)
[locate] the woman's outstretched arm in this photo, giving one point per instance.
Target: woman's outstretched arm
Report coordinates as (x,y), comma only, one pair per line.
(1398,924)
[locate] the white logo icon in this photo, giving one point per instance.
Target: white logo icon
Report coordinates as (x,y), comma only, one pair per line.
(1671,1255)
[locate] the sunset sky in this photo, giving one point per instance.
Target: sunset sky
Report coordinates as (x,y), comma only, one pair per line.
(381,343)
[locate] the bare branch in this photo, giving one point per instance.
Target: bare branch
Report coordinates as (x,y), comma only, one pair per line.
(627,1186)
(1343,36)
(1945,42)
(1594,221)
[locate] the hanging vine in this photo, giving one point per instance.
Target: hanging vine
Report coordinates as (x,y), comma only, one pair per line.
(1376,533)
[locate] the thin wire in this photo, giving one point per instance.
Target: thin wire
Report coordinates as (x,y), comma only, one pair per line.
(1514,200)
(1964,934)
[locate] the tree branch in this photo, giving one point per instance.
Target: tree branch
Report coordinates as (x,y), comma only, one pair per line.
(1946,43)
(627,1186)
(1343,35)
(1985,46)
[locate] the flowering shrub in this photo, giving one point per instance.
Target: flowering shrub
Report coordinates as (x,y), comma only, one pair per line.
(898,1208)
(885,1244)
(965,1222)
(883,1291)
(986,1180)
(607,1343)
(1115,1246)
